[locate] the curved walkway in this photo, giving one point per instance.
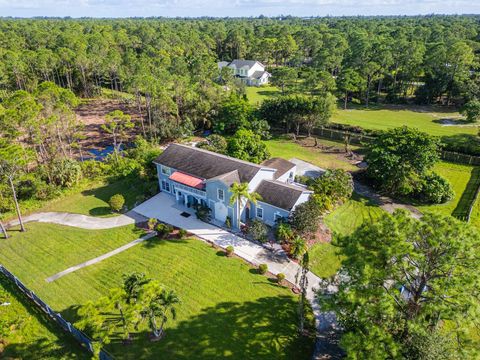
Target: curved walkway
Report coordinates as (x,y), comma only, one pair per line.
(82,221)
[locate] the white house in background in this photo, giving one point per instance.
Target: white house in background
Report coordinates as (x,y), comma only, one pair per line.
(250,71)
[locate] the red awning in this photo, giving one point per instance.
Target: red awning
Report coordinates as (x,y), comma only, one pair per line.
(188,180)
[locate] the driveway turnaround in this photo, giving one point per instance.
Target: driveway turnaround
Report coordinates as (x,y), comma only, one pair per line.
(164,208)
(82,221)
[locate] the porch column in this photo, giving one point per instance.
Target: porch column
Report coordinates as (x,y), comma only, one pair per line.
(185,197)
(176,196)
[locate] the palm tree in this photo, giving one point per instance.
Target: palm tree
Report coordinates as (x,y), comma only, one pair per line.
(157,303)
(298,247)
(239,191)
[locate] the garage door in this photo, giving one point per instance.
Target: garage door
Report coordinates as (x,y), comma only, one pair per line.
(221,211)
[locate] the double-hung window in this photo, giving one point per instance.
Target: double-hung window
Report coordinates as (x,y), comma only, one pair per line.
(259,213)
(220,194)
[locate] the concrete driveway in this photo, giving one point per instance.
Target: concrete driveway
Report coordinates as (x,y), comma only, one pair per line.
(306,169)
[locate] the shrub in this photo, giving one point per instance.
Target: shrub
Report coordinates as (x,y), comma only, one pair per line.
(262,268)
(215,143)
(203,212)
(116,202)
(151,223)
(306,216)
(280,278)
(65,172)
(335,184)
(258,231)
(284,232)
(163,230)
(228,222)
(182,233)
(92,169)
(435,189)
(229,250)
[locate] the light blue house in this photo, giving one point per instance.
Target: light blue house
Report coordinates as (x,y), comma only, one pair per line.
(196,176)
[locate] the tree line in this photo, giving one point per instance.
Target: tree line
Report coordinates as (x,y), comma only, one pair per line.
(172,62)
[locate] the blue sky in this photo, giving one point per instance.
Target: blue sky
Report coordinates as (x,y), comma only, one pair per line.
(171,8)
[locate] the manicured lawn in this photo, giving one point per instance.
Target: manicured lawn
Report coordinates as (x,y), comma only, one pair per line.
(343,221)
(349,216)
(424,118)
(458,175)
(256,95)
(287,149)
(94,199)
(227,310)
(27,333)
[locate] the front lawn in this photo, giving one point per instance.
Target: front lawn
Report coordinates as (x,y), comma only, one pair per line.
(257,94)
(27,333)
(288,149)
(227,310)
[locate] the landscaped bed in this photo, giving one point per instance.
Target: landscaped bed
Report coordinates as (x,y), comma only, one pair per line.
(227,309)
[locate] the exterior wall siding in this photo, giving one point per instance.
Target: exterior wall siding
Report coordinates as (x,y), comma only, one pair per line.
(263,174)
(284,178)
(269,212)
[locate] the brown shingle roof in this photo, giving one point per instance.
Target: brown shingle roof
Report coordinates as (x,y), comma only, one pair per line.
(279,194)
(205,164)
(280,164)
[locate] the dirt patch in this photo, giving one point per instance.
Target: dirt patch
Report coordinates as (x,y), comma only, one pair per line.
(338,150)
(92,114)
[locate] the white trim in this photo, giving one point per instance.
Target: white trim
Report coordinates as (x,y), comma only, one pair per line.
(276,207)
(165,170)
(256,212)
(223,195)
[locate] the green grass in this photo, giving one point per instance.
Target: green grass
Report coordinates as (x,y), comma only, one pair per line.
(226,310)
(27,333)
(458,175)
(424,118)
(287,149)
(256,95)
(349,216)
(93,200)
(343,221)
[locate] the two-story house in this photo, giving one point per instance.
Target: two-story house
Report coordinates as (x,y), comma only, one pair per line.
(196,176)
(249,71)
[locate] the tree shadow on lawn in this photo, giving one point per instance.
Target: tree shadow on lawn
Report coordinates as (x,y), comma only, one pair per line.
(156,241)
(41,347)
(261,329)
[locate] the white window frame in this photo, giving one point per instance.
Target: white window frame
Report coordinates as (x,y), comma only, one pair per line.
(256,212)
(221,198)
(166,186)
(165,170)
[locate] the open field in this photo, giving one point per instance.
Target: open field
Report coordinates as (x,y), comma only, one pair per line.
(27,333)
(287,149)
(425,118)
(226,310)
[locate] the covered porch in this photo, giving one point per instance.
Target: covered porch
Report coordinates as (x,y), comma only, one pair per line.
(189,190)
